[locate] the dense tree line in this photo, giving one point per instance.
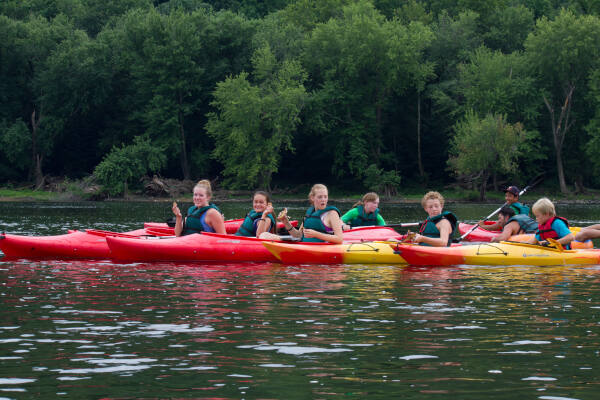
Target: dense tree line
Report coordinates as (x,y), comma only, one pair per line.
(368,93)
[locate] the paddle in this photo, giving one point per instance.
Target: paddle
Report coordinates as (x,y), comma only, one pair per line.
(537,180)
(405,225)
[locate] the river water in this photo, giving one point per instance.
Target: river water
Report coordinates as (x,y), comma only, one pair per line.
(94,329)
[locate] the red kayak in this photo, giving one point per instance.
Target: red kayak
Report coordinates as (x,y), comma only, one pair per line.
(216,247)
(479,234)
(75,244)
(231,226)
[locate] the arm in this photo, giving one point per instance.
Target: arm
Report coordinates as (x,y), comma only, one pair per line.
(590,232)
(178,219)
(563,231)
(335,223)
(216,221)
(264,223)
(507,232)
(445,229)
(349,216)
(295,233)
(493,227)
(380,220)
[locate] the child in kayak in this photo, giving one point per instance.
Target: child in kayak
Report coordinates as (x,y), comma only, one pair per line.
(513,224)
(439,226)
(511,195)
(550,226)
(203,216)
(321,223)
(261,218)
(364,213)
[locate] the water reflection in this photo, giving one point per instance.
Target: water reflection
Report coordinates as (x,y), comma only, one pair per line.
(272,331)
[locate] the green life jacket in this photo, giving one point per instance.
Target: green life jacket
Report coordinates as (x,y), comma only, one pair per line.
(250,224)
(520,208)
(194,222)
(527,224)
(364,219)
(312,220)
(429,229)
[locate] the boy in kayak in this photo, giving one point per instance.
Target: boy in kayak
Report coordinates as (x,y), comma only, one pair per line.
(511,195)
(550,226)
(203,216)
(513,224)
(261,218)
(364,213)
(587,233)
(439,226)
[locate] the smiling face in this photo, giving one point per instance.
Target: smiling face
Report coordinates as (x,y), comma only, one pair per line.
(371,206)
(510,198)
(259,203)
(201,198)
(433,207)
(319,199)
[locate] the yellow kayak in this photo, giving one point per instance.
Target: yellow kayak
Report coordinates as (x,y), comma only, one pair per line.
(351,253)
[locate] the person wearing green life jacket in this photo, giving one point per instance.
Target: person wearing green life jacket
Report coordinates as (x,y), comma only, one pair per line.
(511,195)
(439,226)
(261,218)
(203,216)
(513,224)
(322,223)
(364,213)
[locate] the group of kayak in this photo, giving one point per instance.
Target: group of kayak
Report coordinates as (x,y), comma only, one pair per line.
(325,236)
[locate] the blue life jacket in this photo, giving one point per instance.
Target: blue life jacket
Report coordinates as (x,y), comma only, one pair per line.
(312,220)
(195,220)
(429,229)
(527,224)
(250,224)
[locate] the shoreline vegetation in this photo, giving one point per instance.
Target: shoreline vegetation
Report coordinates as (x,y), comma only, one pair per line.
(166,190)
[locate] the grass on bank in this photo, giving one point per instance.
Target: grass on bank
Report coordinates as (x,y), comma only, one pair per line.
(27,194)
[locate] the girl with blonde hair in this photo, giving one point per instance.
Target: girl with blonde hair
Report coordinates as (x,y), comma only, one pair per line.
(203,216)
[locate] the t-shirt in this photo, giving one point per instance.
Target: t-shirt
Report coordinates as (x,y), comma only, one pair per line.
(352,214)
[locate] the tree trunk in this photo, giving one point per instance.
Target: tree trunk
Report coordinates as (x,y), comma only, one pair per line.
(36,157)
(560,128)
(185,167)
(484,179)
(419,159)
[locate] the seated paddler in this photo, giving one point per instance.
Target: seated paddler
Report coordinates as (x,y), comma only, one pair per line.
(440,225)
(550,226)
(203,216)
(511,196)
(261,218)
(322,222)
(513,224)
(364,213)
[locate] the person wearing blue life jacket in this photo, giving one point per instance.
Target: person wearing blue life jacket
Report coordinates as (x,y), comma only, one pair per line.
(203,216)
(438,228)
(261,218)
(364,213)
(322,223)
(550,226)
(511,196)
(513,224)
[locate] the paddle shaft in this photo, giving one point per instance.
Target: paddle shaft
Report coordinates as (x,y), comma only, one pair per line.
(526,188)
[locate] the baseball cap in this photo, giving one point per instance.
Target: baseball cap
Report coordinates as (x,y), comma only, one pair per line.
(512,189)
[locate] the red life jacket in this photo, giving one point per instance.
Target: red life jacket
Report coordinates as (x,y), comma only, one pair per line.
(545,230)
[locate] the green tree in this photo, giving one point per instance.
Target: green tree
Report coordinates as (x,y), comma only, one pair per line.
(483,146)
(254,123)
(126,163)
(563,52)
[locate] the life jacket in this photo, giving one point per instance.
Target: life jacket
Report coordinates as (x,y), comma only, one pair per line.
(194,222)
(429,229)
(250,224)
(312,220)
(520,208)
(545,230)
(364,219)
(527,224)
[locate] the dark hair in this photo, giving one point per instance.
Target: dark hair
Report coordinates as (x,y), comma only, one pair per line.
(507,211)
(267,196)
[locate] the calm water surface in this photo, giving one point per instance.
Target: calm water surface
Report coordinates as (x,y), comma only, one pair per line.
(93,329)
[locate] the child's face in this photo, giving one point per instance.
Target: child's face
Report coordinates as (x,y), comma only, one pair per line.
(433,207)
(542,218)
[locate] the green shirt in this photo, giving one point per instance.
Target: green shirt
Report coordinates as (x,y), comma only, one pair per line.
(352,214)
